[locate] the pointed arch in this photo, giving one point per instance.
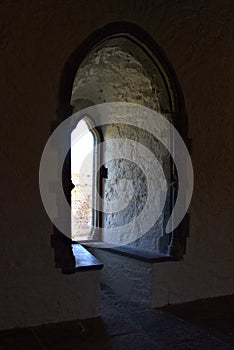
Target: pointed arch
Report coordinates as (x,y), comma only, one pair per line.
(174,106)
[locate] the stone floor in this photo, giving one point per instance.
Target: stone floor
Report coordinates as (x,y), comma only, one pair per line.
(202,325)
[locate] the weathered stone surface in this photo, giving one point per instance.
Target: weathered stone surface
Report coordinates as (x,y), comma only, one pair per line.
(112,74)
(128,277)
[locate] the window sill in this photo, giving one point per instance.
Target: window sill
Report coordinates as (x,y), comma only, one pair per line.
(146,255)
(84,260)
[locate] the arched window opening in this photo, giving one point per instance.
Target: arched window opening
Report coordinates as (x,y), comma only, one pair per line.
(120,70)
(83,178)
(122,63)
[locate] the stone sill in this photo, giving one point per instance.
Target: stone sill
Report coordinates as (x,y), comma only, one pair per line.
(84,260)
(146,255)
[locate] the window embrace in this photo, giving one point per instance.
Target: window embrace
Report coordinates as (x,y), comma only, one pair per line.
(119,70)
(118,63)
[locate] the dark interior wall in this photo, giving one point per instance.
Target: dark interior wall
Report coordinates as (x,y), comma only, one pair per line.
(36,40)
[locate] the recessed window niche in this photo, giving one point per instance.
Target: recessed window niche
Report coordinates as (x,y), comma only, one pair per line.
(122,63)
(120,70)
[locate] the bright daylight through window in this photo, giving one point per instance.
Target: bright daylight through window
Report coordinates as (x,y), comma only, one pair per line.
(82,170)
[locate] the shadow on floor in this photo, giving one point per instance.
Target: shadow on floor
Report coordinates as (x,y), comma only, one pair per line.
(202,325)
